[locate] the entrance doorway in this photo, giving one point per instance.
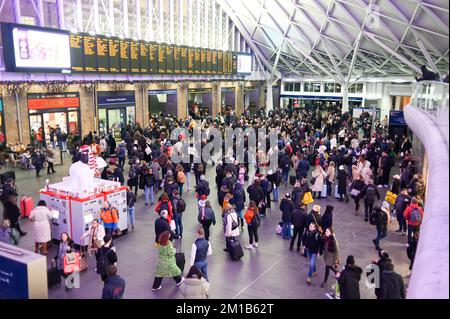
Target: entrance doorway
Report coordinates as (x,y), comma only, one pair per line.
(113,120)
(41,123)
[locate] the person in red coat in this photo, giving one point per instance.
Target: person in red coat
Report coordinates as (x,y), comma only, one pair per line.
(414,216)
(165,204)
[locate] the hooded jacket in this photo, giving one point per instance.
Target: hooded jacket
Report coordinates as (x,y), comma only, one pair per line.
(349,282)
(114,288)
(408,212)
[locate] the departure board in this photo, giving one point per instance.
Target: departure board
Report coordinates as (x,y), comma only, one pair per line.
(169,59)
(102,55)
(114,55)
(198,61)
(143,57)
(177,60)
(134,57)
(77,52)
(90,53)
(208,62)
(225,63)
(219,62)
(124,56)
(162,59)
(191,61)
(234,63)
(230,63)
(153,58)
(184,60)
(213,67)
(203,59)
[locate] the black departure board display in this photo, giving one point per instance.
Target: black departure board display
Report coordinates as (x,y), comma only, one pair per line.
(234,63)
(169,59)
(90,53)
(184,60)
(153,58)
(198,61)
(143,57)
(77,52)
(203,59)
(225,63)
(102,55)
(230,63)
(213,67)
(162,59)
(177,60)
(191,61)
(219,62)
(134,57)
(208,62)
(124,56)
(114,55)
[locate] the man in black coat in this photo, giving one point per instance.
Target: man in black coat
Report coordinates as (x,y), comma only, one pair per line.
(349,280)
(162,225)
(287,207)
(369,192)
(202,187)
(298,220)
(391,283)
(256,193)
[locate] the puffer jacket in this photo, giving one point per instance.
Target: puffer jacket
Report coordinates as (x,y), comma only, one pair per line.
(193,288)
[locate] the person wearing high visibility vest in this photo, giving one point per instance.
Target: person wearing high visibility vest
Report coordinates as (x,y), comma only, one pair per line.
(109,215)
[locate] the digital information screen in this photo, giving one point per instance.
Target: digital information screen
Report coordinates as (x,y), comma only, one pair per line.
(225,63)
(230,63)
(244,64)
(134,57)
(184,60)
(169,59)
(162,59)
(235,63)
(198,61)
(191,61)
(214,62)
(208,62)
(90,53)
(177,60)
(76,52)
(204,63)
(143,57)
(124,56)
(153,58)
(219,62)
(102,55)
(114,55)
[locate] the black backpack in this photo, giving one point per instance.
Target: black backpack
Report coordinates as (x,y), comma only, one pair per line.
(370,193)
(133,173)
(181,206)
(256,222)
(103,263)
(375,217)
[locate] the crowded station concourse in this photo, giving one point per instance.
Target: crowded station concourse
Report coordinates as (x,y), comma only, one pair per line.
(173,160)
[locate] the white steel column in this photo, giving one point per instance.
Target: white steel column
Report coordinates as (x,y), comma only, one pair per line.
(199,14)
(226,45)
(344,87)
(79,16)
(269,96)
(126,31)
(40,10)
(60,8)
(238,46)
(206,30)
(171,22)
(150,35)
(181,22)
(233,37)
(191,23)
(17,11)
(214,25)
(220,28)
(161,20)
(96,17)
(112,25)
(138,20)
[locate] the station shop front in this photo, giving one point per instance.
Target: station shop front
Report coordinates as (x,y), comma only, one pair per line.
(48,111)
(251,99)
(163,101)
(200,102)
(115,111)
(322,103)
(228,96)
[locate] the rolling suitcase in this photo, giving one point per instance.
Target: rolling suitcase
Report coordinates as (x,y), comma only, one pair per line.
(235,248)
(53,276)
(180,259)
(292,180)
(26,205)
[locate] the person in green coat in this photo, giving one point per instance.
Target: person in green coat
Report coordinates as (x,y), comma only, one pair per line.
(166,265)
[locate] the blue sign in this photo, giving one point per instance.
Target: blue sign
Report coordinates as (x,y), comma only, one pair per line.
(157,92)
(13,279)
(321,98)
(116,100)
(397,118)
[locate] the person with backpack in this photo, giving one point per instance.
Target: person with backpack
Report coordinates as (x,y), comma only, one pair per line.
(131,201)
(121,154)
(231,225)
(206,216)
(201,249)
(253,222)
(106,256)
(180,178)
(380,218)
(149,186)
(165,204)
(287,207)
(202,187)
(368,193)
(312,239)
(275,178)
(178,206)
(114,287)
(238,200)
(298,220)
(414,216)
(349,280)
(109,216)
(285,165)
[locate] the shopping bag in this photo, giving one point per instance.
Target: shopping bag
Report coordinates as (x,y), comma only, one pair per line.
(71,263)
(307,198)
(324,191)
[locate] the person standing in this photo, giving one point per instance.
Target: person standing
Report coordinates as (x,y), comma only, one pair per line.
(312,239)
(231,225)
(162,225)
(11,212)
(95,234)
(178,207)
(330,253)
(368,193)
(166,265)
(50,160)
(114,287)
(109,216)
(253,222)
(38,161)
(327,217)
(383,219)
(342,184)
(401,203)
(319,177)
(298,220)
(238,201)
(200,250)
(149,186)
(206,216)
(412,248)
(349,280)
(391,283)
(357,187)
(106,256)
(40,216)
(131,201)
(287,207)
(65,246)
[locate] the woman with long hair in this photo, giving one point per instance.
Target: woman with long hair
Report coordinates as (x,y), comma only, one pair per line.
(330,254)
(195,286)
(253,221)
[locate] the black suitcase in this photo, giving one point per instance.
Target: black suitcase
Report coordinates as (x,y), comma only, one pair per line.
(235,248)
(53,277)
(292,180)
(180,259)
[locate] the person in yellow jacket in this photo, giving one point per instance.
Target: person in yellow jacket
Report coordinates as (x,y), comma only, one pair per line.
(109,215)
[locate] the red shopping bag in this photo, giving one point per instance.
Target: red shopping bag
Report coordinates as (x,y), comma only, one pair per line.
(71,263)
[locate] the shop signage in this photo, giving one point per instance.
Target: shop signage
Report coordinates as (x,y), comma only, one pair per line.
(53,101)
(115,100)
(397,118)
(156,92)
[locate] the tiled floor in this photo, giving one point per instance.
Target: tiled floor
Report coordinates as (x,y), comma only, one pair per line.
(271,271)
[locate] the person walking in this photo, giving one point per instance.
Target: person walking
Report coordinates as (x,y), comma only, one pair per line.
(391,283)
(382,221)
(298,220)
(178,207)
(253,222)
(95,235)
(131,201)
(166,265)
(195,286)
(40,216)
(201,249)
(114,287)
(50,160)
(312,239)
(330,254)
(349,280)
(414,216)
(369,192)
(356,189)
(342,184)
(327,217)
(106,256)
(65,246)
(162,225)
(287,207)
(11,212)
(206,216)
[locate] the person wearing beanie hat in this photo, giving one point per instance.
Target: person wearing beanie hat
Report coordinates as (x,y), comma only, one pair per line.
(342,184)
(349,280)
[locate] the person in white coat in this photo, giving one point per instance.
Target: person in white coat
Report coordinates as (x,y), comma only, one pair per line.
(195,285)
(40,216)
(95,236)
(230,217)
(319,174)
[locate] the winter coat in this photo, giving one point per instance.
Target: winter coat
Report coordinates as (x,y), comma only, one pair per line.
(299,218)
(193,288)
(331,174)
(40,216)
(166,265)
(162,225)
(314,217)
(114,288)
(209,214)
(349,282)
(401,203)
(286,207)
(169,188)
(303,168)
(99,235)
(408,212)
(297,195)
(255,193)
(318,174)
(369,193)
(202,188)
(391,286)
(239,197)
(11,212)
(330,256)
(312,241)
(229,216)
(327,220)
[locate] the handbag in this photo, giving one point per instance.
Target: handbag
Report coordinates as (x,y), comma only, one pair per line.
(173,226)
(83,259)
(71,263)
(313,180)
(307,198)
(354,192)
